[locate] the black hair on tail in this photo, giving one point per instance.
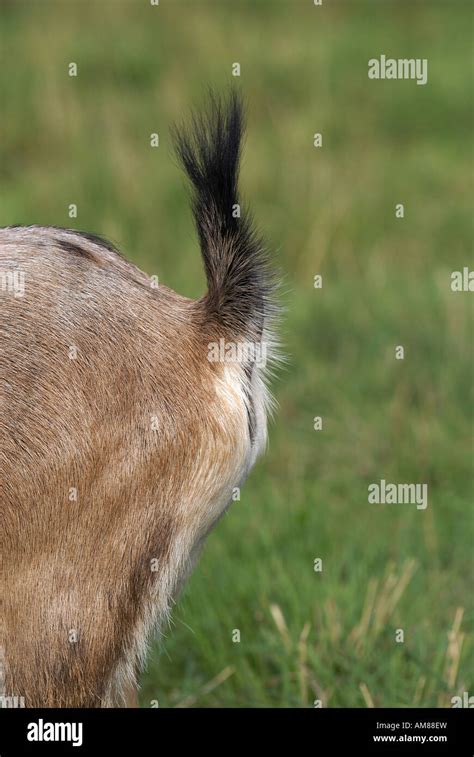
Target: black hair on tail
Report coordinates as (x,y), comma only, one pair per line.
(239,280)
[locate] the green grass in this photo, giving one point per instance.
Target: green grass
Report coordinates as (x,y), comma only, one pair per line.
(304,635)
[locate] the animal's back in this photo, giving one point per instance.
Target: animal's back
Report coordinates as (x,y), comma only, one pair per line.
(120,444)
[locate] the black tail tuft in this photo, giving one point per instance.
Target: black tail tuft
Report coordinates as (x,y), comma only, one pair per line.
(238,276)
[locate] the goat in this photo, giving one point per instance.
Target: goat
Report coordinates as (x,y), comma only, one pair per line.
(122,438)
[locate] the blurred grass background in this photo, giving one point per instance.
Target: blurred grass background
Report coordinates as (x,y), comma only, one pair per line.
(305,635)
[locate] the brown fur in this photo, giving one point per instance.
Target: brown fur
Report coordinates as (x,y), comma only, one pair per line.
(81,570)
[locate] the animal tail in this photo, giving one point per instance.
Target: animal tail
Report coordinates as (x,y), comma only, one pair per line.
(239,279)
